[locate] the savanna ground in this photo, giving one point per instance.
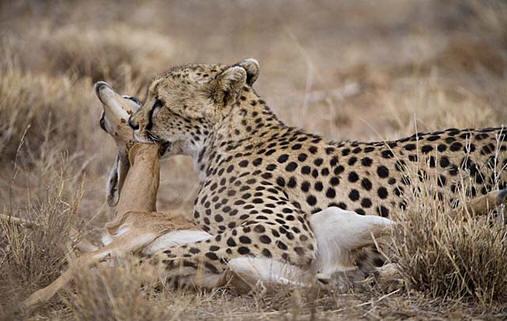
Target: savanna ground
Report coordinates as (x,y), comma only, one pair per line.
(361,70)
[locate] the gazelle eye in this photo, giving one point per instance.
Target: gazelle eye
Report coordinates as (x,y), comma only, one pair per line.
(135,99)
(102,122)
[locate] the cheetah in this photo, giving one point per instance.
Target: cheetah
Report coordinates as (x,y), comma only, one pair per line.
(138,228)
(262,181)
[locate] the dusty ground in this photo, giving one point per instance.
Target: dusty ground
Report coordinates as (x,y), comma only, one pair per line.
(360,70)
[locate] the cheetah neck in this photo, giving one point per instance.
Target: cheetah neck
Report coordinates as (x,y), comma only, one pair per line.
(249,121)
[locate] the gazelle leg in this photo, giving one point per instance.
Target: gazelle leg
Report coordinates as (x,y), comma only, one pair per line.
(119,247)
(139,194)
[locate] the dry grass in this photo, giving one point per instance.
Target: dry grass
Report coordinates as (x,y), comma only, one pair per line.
(43,108)
(347,70)
(32,258)
(114,294)
(452,257)
(104,54)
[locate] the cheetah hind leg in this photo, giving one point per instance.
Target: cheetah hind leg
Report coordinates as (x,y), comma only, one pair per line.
(481,205)
(340,234)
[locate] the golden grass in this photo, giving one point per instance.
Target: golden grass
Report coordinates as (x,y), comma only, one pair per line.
(43,109)
(452,258)
(346,70)
(33,257)
(115,294)
(115,53)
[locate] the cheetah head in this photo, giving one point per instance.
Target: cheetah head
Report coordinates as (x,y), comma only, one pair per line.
(183,105)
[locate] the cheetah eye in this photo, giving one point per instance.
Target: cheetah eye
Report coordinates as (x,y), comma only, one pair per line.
(158,103)
(153,112)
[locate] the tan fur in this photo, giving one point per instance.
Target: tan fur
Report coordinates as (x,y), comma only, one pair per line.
(136,223)
(481,205)
(130,230)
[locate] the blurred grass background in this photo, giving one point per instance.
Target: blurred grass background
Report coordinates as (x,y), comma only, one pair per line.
(360,70)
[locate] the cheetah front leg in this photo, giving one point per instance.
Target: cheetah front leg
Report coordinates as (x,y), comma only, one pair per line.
(269,252)
(253,253)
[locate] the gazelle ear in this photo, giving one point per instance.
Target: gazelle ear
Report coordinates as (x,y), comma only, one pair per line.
(252,69)
(116,178)
(229,84)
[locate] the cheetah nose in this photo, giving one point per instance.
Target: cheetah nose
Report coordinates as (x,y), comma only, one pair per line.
(133,124)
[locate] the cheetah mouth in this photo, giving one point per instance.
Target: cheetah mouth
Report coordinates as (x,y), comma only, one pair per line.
(165,146)
(152,137)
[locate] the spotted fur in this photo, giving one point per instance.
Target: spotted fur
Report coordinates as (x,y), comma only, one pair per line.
(261,179)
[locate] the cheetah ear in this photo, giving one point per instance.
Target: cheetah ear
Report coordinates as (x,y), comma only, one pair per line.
(252,69)
(229,84)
